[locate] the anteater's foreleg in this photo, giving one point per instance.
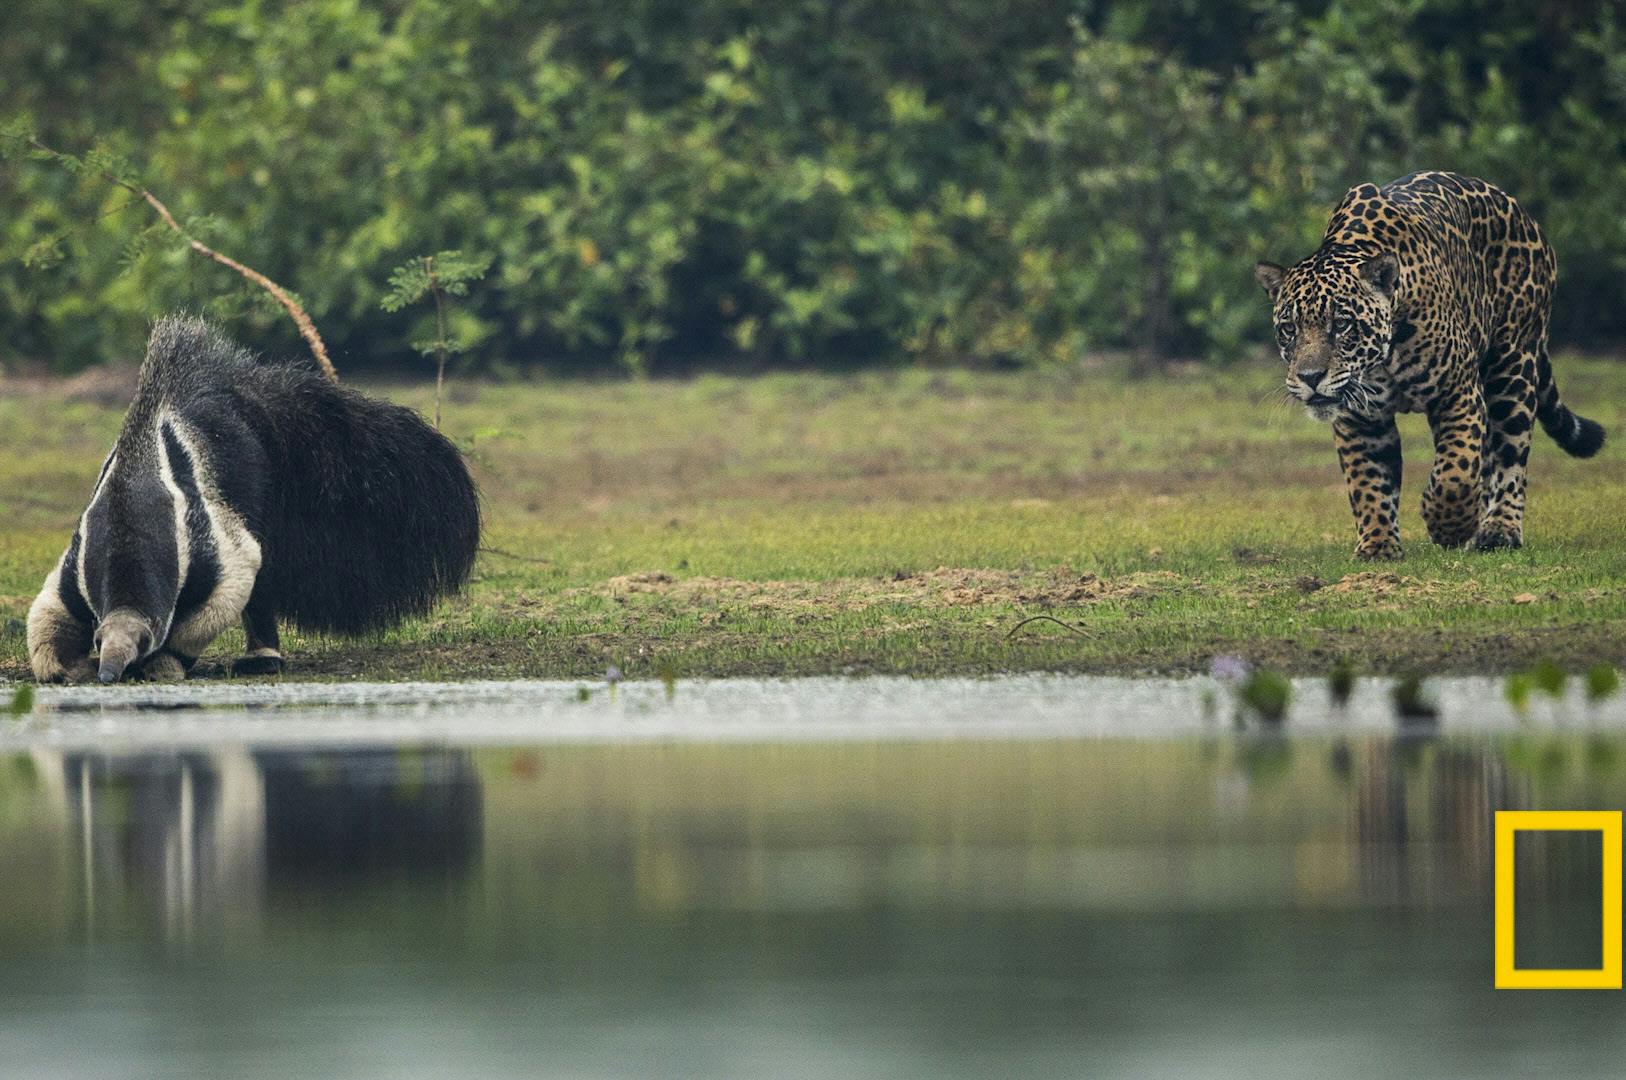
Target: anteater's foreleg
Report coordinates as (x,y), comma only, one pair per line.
(59,642)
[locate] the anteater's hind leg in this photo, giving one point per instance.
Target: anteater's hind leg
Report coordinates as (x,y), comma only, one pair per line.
(193,634)
(262,653)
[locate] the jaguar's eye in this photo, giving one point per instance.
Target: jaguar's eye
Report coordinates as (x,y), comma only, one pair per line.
(1341,326)
(1286,330)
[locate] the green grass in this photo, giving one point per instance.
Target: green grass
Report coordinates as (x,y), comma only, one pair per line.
(906,522)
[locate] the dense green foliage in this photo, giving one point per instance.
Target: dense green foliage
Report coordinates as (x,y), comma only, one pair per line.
(661,183)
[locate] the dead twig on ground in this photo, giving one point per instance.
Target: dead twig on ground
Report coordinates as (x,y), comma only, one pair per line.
(1045,618)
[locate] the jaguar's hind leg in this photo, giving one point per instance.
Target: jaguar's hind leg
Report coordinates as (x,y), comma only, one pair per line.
(262,652)
(1510,400)
(1451,503)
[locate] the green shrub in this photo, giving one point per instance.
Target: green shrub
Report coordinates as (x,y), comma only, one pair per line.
(818,181)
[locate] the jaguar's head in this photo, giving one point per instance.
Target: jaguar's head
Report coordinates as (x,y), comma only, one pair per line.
(1334,316)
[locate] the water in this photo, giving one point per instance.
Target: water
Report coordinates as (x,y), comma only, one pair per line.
(832,878)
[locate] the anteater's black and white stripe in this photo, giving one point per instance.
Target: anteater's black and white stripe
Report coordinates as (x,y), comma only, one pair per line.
(256,491)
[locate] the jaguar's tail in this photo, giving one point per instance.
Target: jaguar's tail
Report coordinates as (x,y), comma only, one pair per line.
(1578,436)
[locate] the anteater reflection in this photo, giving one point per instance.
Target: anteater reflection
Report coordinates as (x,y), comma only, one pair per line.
(193,839)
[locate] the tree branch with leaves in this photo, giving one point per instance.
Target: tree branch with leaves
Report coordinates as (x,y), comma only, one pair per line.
(116,171)
(443,275)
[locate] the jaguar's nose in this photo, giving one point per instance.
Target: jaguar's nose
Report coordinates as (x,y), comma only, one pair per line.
(1312,379)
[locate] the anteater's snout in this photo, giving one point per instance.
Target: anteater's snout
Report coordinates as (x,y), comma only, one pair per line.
(124,638)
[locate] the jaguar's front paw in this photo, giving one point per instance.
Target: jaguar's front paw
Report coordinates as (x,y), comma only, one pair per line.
(1497,538)
(1385,548)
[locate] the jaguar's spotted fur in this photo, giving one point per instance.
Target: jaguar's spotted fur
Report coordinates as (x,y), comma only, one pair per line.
(1430,294)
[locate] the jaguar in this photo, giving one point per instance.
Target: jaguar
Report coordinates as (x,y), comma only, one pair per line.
(1430,294)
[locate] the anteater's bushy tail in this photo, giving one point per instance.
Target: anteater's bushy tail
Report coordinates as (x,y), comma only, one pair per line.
(373,517)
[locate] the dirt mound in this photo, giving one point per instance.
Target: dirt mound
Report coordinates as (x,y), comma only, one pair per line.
(1398,589)
(1376,582)
(653,581)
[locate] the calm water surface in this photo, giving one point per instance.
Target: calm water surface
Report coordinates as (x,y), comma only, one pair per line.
(1027,877)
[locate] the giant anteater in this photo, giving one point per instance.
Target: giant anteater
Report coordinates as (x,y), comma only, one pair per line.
(265,491)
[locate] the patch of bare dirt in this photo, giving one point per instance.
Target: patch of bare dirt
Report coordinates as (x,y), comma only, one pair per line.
(1377,583)
(1385,584)
(943,587)
(654,581)
(1388,587)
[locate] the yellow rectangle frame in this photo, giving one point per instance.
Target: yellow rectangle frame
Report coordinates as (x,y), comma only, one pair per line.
(1607,822)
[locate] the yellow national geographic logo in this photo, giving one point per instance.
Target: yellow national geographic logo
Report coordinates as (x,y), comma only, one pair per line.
(1606,822)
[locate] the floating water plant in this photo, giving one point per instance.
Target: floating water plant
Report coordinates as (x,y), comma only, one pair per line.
(1412,701)
(1549,678)
(1602,681)
(1266,694)
(1517,691)
(22,701)
(1341,683)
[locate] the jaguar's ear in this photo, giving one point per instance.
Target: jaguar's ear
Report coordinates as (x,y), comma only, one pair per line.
(1382,273)
(1270,276)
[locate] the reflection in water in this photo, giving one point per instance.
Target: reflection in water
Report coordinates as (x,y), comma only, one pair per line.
(370,813)
(1059,907)
(179,834)
(193,838)
(1424,817)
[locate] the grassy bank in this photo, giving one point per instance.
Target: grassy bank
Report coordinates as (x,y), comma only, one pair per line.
(908,522)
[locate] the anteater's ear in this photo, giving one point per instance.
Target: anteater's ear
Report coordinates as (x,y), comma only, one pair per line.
(1382,273)
(1270,276)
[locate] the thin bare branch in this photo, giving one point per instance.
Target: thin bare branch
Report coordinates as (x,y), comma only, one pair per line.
(301,318)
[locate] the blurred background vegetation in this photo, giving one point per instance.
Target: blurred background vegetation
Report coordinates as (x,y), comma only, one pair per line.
(661,184)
